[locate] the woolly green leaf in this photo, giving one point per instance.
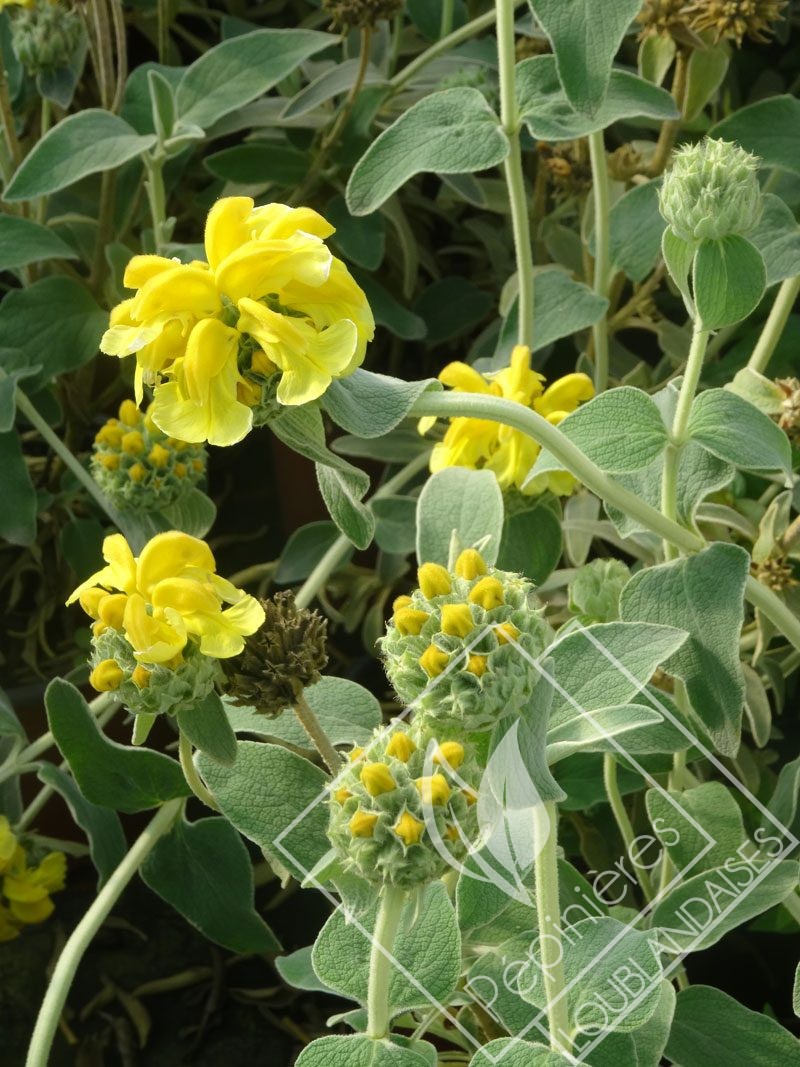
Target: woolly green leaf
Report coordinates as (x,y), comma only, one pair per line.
(23,241)
(451,132)
(447,504)
(769,128)
(735,431)
(729,278)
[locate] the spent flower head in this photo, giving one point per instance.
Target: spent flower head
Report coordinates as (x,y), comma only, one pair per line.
(280,659)
(272,316)
(403,810)
(736,19)
(711,191)
(460,630)
(482,444)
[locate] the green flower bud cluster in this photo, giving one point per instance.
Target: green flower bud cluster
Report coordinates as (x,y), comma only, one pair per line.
(711,191)
(45,36)
(151,688)
(136,465)
(452,649)
(595,590)
(402,809)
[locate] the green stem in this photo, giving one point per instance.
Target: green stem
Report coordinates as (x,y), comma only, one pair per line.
(463,33)
(67,458)
(157,199)
(193,779)
(322,743)
(163,30)
(448,11)
(341,546)
(602,263)
(622,820)
(680,422)
(81,937)
(773,327)
(390,913)
(518,417)
(551,954)
(512,168)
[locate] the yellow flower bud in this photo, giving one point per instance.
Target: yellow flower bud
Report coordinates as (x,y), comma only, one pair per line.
(470,796)
(141,676)
(433,661)
(249,393)
(408,828)
(401,746)
(262,364)
(98,628)
(362,824)
(342,795)
(449,752)
(506,632)
(487,593)
(433,580)
(451,833)
(433,789)
(457,620)
(410,620)
(129,413)
(197,464)
(110,434)
(377,778)
(111,609)
(180,470)
(137,472)
(355,754)
(109,460)
(159,456)
(476,665)
(401,602)
(106,677)
(90,599)
(470,564)
(133,443)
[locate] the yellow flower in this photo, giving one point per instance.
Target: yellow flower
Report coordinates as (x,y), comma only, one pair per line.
(167,596)
(8,844)
(485,445)
(269,278)
(106,676)
(28,889)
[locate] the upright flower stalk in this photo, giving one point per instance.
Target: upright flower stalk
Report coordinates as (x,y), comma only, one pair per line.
(548,914)
(597,153)
(515,179)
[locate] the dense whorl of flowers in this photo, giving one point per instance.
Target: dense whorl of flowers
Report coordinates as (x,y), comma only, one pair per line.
(162,621)
(482,444)
(25,886)
(271,317)
(452,648)
(402,812)
(710,191)
(136,465)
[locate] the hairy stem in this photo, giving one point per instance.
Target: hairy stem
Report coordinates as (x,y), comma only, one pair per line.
(157,199)
(496,409)
(670,127)
(773,327)
(512,168)
(602,264)
(551,952)
(81,937)
(390,912)
(623,821)
(680,422)
(322,743)
(193,779)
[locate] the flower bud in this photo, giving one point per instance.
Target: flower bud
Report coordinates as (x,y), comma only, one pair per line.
(106,676)
(464,667)
(595,590)
(45,36)
(711,191)
(398,811)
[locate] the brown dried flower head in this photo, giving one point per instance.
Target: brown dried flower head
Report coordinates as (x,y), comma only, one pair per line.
(359,14)
(281,659)
(736,19)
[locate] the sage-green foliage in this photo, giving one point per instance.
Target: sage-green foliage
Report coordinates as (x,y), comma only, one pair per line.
(638,711)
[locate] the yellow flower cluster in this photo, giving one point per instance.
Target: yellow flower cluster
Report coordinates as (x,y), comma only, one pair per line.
(271,300)
(136,464)
(159,601)
(25,896)
(481,444)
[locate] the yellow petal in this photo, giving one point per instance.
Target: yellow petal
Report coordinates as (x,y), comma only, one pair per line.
(309,375)
(377,779)
(279,221)
(457,620)
(153,640)
(362,824)
(433,789)
(470,564)
(565,394)
(433,580)
(169,555)
(120,572)
(433,661)
(141,269)
(182,291)
(227,227)
(488,592)
(450,753)
(258,268)
(401,747)
(409,828)
(464,378)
